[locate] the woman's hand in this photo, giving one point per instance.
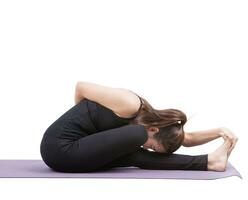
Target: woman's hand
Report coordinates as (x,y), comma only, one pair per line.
(227,134)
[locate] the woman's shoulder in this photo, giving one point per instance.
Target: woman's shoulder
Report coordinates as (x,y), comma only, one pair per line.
(103,117)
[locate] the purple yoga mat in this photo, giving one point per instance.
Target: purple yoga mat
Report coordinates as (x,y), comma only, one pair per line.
(38,169)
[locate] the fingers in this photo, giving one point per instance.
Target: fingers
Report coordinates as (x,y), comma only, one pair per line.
(234,141)
(233,144)
(227,135)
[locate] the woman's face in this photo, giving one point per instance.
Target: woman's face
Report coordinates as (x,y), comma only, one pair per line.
(152,143)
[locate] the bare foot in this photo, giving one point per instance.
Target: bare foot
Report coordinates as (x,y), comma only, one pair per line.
(217,160)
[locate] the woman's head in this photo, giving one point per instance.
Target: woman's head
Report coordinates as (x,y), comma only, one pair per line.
(165,139)
(164,127)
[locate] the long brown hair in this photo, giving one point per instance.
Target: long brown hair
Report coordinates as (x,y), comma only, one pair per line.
(169,121)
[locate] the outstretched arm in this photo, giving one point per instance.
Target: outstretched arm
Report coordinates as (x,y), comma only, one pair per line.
(201,137)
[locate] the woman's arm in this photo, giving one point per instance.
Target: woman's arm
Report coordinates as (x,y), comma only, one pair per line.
(201,137)
(120,100)
(78,95)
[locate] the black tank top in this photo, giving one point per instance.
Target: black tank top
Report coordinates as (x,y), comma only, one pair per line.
(104,118)
(86,118)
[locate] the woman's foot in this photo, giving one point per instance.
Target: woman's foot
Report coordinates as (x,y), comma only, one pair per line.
(217,160)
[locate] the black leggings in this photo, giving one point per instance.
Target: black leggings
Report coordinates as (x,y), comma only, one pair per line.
(62,149)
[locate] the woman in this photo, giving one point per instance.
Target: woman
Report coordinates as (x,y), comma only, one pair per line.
(114,127)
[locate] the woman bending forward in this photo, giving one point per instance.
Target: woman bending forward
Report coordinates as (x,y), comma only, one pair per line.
(114,127)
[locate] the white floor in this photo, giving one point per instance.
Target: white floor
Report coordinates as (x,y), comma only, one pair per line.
(122,189)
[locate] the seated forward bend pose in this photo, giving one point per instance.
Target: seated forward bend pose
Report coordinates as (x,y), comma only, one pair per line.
(114,127)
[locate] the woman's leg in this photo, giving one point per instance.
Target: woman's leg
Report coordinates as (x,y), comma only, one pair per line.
(94,151)
(145,159)
(120,147)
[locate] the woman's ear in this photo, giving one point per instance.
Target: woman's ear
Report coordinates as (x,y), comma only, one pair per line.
(153,129)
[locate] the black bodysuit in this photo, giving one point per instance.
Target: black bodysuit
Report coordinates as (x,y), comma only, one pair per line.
(90,137)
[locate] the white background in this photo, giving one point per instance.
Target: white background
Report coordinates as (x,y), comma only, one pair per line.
(189,55)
